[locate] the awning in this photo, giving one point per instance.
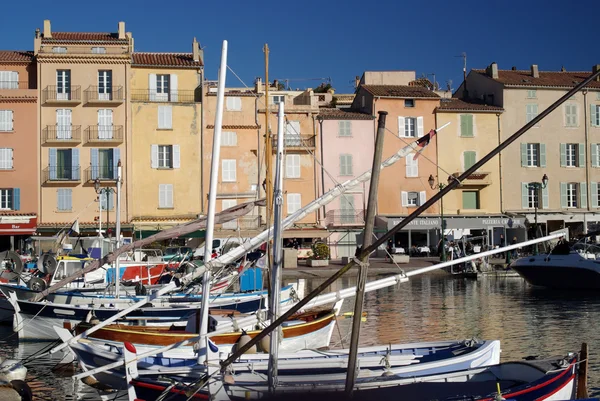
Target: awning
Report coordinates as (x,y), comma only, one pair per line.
(147,233)
(453,222)
(306,233)
(18,225)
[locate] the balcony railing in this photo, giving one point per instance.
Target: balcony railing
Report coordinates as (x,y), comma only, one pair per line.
(296,141)
(103,173)
(53,94)
(243,223)
(178,96)
(14,85)
(336,218)
(112,94)
(55,174)
(476,179)
(104,134)
(63,134)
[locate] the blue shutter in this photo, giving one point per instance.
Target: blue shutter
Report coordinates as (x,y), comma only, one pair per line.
(525,195)
(583,195)
(16,199)
(542,155)
(581,155)
(75,164)
(563,195)
(563,155)
(116,158)
(94,157)
(69,200)
(59,199)
(52,161)
(545,198)
(523,155)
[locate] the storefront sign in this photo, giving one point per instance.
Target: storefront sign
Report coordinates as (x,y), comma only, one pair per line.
(18,226)
(475,223)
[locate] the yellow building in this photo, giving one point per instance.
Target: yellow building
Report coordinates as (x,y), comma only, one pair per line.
(82,78)
(166,120)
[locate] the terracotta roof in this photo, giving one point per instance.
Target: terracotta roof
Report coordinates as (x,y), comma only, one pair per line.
(86,224)
(16,56)
(20,214)
(180,60)
(66,37)
(212,126)
(338,114)
(237,93)
(563,79)
(461,105)
(400,91)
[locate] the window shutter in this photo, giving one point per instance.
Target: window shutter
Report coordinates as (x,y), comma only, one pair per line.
(154,156)
(468,159)
(593,114)
(542,155)
(563,195)
(583,195)
(594,153)
(415,166)
(69,200)
(349,169)
(563,154)
(524,195)
(59,199)
(161,117)
(3,116)
(116,158)
(176,158)
(110,202)
(161,195)
(401,127)
(419,126)
(75,163)
(466,125)
(594,194)
(52,161)
(229,103)
(581,155)
(173,86)
(404,196)
(545,198)
(16,199)
(422,197)
(168,117)
(152,86)
(94,160)
(524,155)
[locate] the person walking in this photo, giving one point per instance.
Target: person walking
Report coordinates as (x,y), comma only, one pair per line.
(515,252)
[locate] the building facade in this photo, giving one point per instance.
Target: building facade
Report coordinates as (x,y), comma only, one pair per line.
(83,124)
(166,136)
(19,164)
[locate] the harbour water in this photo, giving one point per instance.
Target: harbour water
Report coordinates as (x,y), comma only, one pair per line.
(528,321)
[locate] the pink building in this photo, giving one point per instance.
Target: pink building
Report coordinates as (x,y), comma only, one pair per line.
(348,140)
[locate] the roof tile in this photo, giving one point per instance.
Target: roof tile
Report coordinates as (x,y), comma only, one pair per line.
(564,79)
(339,114)
(16,56)
(400,91)
(454,104)
(165,60)
(58,37)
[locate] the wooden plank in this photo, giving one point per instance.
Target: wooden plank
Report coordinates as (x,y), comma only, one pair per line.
(582,391)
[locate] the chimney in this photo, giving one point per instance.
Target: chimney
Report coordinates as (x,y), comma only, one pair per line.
(47,29)
(37,33)
(356,81)
(514,68)
(492,70)
(534,71)
(195,50)
(595,69)
(563,69)
(121,30)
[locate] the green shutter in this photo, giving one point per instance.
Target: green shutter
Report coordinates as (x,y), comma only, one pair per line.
(563,195)
(542,155)
(594,194)
(563,154)
(524,195)
(545,198)
(581,155)
(593,114)
(583,195)
(466,125)
(469,200)
(594,153)
(469,159)
(523,155)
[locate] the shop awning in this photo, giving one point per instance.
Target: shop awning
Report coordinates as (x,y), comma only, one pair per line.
(306,233)
(18,225)
(147,233)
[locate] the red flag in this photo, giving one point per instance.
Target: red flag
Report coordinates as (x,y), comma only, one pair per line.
(424,142)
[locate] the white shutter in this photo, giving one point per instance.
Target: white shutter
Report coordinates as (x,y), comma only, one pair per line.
(294,203)
(169,194)
(422,197)
(174,90)
(292,166)
(154,156)
(176,158)
(161,117)
(152,87)
(412,165)
(105,121)
(161,195)
(238,103)
(419,127)
(234,103)
(401,127)
(6,120)
(165,195)
(228,138)
(228,170)
(226,204)
(165,117)
(404,196)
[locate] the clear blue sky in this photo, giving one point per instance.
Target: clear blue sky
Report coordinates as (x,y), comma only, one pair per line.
(313,39)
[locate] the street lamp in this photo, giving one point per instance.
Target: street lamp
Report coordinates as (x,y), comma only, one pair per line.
(536,200)
(106,190)
(440,186)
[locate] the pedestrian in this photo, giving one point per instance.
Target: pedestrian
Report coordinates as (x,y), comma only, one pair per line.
(515,252)
(502,244)
(214,254)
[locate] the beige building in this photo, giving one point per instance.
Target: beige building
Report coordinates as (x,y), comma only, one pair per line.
(166,121)
(83,122)
(564,145)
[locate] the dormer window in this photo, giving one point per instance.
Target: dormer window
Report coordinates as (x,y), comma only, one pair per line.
(409,102)
(98,50)
(59,49)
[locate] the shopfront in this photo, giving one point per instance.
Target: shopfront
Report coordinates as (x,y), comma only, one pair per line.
(15,230)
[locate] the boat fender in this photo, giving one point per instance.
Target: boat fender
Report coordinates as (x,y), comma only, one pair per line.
(12,369)
(94,383)
(243,340)
(470,343)
(264,345)
(15,390)
(140,289)
(36,284)
(94,320)
(387,373)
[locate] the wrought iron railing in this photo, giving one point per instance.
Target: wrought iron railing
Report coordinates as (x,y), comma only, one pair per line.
(296,141)
(61,174)
(104,133)
(62,133)
(111,94)
(344,217)
(243,223)
(174,96)
(54,93)
(101,172)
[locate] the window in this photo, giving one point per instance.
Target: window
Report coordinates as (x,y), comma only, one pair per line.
(228,170)
(107,201)
(412,165)
(163,87)
(6,199)
(165,117)
(59,49)
(64,199)
(571,155)
(533,195)
(292,134)
(346,164)
(98,50)
(234,103)
(6,120)
(470,200)
(276,99)
(105,124)
(466,125)
(595,115)
(410,127)
(294,203)
(409,102)
(105,85)
(6,159)
(63,84)
(571,194)
(63,164)
(531,111)
(413,199)
(63,124)
(532,155)
(106,164)
(348,214)
(595,154)
(595,193)
(226,204)
(9,80)
(228,138)
(344,128)
(531,94)
(469,159)
(163,83)
(571,115)
(165,196)
(292,166)
(165,156)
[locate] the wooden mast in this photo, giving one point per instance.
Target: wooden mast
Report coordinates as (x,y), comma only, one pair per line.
(268,143)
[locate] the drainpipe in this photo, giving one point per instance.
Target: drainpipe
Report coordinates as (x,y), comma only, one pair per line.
(40,148)
(202,99)
(316,186)
(588,159)
(320,119)
(258,165)
(500,169)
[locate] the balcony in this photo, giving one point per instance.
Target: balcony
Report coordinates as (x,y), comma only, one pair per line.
(177,96)
(93,97)
(104,134)
(63,135)
(345,218)
(478,179)
(295,142)
(61,175)
(67,96)
(102,173)
(243,223)
(11,85)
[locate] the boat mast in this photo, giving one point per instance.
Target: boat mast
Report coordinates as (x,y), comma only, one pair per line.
(118,228)
(277,253)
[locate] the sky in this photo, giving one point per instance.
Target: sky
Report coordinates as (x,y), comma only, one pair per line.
(332,39)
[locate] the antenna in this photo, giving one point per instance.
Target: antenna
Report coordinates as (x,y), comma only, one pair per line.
(449,85)
(463,55)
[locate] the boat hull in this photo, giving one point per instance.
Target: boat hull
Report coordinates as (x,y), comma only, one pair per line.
(559,271)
